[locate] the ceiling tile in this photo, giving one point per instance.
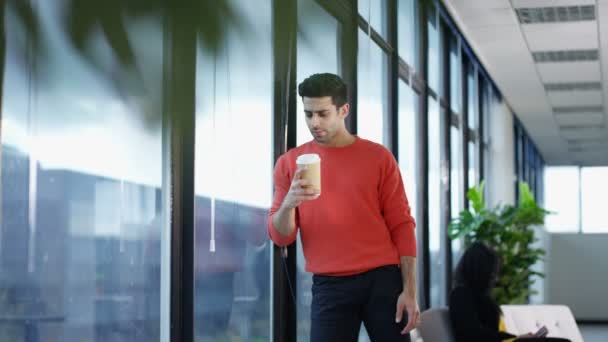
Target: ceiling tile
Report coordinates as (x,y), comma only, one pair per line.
(562,36)
(569,72)
(575,98)
(582,119)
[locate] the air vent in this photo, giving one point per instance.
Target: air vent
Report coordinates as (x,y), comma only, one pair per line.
(584,141)
(555,14)
(573,86)
(589,128)
(565,56)
(578,109)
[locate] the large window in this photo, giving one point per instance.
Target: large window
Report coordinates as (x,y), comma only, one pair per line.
(574,197)
(407,22)
(437,250)
(433,49)
(233,182)
(317,53)
(473,123)
(562,199)
(372,94)
(408,142)
(456,184)
(594,184)
(455,75)
(374,12)
(84,238)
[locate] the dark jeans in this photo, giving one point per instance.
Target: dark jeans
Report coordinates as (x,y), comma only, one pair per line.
(340,304)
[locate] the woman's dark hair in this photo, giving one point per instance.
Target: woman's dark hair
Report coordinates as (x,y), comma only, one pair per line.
(478,271)
(321,85)
(478,268)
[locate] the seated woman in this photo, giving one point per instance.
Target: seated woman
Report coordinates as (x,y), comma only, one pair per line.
(475,316)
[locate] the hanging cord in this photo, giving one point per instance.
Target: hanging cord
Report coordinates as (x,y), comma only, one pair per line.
(213,159)
(284,252)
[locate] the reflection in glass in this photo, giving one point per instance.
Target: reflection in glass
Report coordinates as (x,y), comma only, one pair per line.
(473,123)
(233,182)
(372,95)
(407,31)
(374,12)
(473,164)
(433,49)
(408,141)
(456,185)
(455,75)
(82,233)
(317,53)
(436,242)
(594,186)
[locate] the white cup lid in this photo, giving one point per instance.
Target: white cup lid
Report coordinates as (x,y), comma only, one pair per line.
(308,158)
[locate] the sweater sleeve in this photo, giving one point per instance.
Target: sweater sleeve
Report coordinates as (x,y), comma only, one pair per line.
(465,320)
(395,208)
(282,182)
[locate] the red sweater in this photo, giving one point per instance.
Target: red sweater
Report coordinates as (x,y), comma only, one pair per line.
(362,218)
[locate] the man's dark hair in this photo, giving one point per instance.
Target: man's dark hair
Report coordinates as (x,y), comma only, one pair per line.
(321,85)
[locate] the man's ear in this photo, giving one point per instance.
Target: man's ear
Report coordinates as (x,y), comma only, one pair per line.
(344,110)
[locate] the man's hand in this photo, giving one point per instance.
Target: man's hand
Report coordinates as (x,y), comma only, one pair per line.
(298,192)
(408,303)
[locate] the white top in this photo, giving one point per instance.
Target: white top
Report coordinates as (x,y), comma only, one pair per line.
(310,158)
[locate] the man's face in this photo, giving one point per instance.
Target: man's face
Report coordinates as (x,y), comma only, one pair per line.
(323,118)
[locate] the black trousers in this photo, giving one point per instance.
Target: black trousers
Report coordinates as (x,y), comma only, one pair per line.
(341,304)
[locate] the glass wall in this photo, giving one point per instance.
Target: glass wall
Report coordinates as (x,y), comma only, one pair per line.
(317,53)
(233,182)
(372,111)
(83,231)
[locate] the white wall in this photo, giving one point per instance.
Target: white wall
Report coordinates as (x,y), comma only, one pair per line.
(577,274)
(501,168)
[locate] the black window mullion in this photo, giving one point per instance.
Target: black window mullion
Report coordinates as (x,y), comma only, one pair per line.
(347,54)
(393,78)
(465,129)
(423,166)
(284,268)
(483,107)
(447,145)
(179,110)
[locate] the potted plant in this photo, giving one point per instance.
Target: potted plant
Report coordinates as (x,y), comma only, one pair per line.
(508,229)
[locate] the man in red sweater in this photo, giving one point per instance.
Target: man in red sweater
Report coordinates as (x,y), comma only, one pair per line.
(358,236)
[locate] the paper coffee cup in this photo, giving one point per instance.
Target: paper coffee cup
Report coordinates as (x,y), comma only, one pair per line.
(312,173)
